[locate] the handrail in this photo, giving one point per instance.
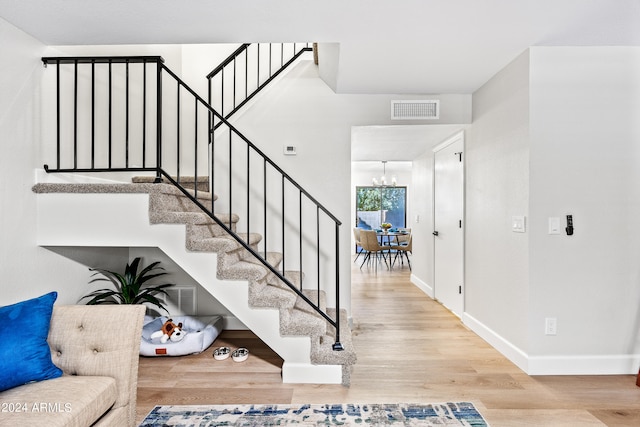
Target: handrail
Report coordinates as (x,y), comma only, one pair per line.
(257,75)
(101,59)
(229,60)
(139,156)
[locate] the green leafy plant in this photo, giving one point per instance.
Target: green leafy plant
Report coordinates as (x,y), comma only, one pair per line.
(130,287)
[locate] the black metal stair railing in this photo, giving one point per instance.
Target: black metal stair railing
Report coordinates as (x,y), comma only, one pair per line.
(247,71)
(133,114)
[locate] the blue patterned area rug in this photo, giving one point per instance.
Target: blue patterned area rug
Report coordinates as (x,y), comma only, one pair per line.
(442,414)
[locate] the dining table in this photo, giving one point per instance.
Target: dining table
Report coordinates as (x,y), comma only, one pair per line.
(387,237)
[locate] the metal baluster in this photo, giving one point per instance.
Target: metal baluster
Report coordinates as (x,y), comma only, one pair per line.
(222,93)
(210,114)
(300,227)
(195,167)
(75,114)
(126,138)
(283,226)
(58,113)
(264,194)
(246,73)
(93,114)
(212,156)
(248,192)
(144,114)
(110,113)
(337,346)
(159,122)
(318,248)
(230,177)
(178,131)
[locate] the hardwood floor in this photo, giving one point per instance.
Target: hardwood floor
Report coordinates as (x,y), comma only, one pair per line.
(410,349)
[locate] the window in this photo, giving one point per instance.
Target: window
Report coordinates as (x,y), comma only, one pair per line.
(375,205)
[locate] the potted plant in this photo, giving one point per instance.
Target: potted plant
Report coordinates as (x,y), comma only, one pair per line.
(130,287)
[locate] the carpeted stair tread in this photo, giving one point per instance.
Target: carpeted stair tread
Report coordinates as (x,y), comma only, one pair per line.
(274,292)
(180,218)
(322,352)
(243,270)
(272,296)
(293,276)
(118,188)
(185,181)
(222,243)
(312,295)
(175,191)
(273,258)
(167,198)
(298,322)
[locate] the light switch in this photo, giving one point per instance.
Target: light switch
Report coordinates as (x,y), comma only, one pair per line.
(554,225)
(518,224)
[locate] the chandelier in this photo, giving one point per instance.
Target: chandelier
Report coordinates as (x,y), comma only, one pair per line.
(383,179)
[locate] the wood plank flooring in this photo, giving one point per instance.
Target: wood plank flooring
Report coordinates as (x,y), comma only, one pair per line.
(410,349)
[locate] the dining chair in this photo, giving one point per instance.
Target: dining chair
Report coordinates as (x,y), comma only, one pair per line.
(402,250)
(403,238)
(356,235)
(369,240)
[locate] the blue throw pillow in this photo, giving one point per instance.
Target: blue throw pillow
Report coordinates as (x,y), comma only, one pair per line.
(24,352)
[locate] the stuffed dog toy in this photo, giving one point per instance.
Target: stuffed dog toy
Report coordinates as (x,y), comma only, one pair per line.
(169,331)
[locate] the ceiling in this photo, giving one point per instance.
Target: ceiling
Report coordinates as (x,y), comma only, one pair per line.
(386,47)
(396,143)
(399,47)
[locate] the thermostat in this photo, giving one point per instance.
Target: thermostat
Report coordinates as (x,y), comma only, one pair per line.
(290,150)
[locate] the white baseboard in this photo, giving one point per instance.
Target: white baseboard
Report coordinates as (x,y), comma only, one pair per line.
(424,286)
(508,350)
(610,364)
(307,373)
(555,365)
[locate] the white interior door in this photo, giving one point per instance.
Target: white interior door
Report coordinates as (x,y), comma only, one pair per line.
(448,202)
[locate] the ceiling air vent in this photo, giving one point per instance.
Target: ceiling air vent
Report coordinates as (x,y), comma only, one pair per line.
(415,110)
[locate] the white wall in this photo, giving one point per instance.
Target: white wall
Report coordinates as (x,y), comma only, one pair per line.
(556,133)
(585,152)
(27,270)
(497,187)
(422,222)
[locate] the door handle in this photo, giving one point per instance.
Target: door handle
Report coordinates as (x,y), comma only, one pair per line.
(435,233)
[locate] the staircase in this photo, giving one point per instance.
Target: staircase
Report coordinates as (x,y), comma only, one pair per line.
(251,278)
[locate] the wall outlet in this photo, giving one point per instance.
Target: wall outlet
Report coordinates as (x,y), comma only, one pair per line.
(550,326)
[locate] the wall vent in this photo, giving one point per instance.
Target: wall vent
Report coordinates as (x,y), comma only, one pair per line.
(415,110)
(181,300)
